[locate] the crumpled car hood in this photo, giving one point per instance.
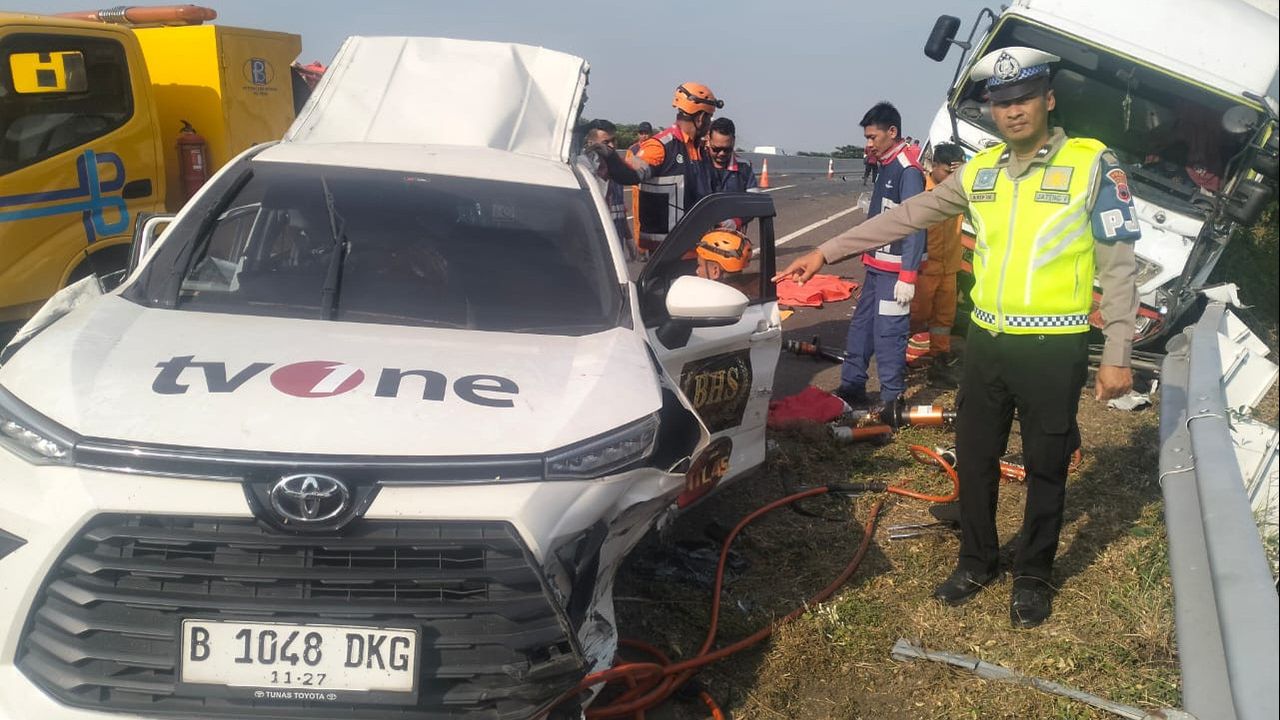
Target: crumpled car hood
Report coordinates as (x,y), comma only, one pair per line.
(116,370)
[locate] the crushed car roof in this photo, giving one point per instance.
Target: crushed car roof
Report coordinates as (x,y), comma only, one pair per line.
(453,161)
(439,91)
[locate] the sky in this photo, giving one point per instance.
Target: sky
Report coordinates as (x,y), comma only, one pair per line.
(797,74)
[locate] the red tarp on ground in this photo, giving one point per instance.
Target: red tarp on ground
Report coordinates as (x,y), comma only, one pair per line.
(810,404)
(815,291)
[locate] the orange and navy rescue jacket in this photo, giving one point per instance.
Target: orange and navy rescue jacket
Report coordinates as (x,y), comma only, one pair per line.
(900,178)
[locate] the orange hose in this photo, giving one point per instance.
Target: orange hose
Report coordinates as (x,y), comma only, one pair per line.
(655,682)
(930,457)
(651,683)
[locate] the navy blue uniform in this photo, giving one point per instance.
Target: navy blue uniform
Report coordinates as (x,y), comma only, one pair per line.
(880,326)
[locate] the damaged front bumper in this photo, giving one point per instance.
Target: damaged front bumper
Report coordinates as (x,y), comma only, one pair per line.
(509,584)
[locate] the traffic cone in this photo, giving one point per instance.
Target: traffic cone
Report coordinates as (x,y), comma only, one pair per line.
(831,169)
(764,174)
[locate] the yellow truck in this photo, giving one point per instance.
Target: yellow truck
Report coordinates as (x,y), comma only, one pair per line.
(91,114)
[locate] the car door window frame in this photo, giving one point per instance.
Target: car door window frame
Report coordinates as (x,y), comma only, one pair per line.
(667,262)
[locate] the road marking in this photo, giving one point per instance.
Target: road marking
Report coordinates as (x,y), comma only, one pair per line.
(783,187)
(813,226)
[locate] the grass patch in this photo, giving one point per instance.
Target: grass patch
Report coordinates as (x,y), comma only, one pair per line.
(1111,633)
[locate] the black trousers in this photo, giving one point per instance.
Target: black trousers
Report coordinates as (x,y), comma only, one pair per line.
(1040,376)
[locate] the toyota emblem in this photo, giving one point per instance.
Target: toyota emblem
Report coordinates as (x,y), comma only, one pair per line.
(309,499)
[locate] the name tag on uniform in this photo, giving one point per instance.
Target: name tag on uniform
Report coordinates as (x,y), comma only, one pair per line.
(985,179)
(982,197)
(1057,178)
(1060,198)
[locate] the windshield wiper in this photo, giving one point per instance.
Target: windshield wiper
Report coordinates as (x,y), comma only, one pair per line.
(333,276)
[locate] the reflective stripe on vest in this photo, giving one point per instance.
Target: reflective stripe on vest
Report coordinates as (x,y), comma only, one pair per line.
(661,198)
(1033,256)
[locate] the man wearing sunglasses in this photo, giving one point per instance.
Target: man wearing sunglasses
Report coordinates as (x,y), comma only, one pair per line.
(722,170)
(665,166)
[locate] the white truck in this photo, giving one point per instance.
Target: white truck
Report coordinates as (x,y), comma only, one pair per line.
(367,431)
(1183,91)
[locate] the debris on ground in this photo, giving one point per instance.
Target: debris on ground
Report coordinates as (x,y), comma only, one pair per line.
(907,650)
(1134,400)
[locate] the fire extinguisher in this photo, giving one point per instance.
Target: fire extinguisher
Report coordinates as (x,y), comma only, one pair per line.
(193,160)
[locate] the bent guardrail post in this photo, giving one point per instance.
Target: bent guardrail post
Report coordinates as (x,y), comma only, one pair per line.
(1225,604)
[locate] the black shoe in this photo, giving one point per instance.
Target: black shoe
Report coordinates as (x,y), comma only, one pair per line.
(961,586)
(855,397)
(1031,601)
(944,371)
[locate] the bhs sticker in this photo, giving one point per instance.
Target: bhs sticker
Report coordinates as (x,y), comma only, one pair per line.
(719,387)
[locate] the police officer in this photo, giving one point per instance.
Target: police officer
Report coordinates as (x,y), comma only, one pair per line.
(1048,211)
(664,166)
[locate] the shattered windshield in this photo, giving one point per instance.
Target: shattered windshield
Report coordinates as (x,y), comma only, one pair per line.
(405,249)
(1167,132)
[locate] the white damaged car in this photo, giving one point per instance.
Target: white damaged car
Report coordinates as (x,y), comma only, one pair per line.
(368,429)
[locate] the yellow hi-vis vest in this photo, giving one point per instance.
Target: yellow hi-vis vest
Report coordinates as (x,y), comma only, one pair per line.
(1033,256)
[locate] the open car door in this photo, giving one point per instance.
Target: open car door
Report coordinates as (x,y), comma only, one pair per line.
(726,371)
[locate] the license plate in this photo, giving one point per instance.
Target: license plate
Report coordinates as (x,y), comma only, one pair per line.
(294,662)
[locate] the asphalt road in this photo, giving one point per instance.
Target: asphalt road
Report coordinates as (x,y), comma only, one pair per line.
(811,210)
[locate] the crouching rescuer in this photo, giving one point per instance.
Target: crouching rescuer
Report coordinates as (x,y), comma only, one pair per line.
(1047,210)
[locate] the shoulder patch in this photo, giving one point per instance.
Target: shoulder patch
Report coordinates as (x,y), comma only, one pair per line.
(1114,218)
(1121,181)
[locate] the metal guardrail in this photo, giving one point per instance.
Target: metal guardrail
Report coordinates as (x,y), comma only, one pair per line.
(1226,609)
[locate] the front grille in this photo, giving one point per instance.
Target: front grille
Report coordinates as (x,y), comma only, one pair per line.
(104,632)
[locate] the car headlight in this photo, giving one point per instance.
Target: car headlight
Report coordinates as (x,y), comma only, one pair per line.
(34,438)
(1146,270)
(606,453)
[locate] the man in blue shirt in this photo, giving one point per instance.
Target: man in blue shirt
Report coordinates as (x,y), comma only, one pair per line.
(721,170)
(882,319)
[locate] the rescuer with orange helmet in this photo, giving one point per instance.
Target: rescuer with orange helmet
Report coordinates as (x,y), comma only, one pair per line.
(664,166)
(724,255)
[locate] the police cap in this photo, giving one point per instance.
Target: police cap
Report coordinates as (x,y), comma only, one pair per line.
(1013,72)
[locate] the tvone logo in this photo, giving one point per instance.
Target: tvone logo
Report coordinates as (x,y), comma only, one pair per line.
(326,378)
(317,378)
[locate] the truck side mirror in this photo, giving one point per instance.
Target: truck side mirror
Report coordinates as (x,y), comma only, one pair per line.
(1247,201)
(942,37)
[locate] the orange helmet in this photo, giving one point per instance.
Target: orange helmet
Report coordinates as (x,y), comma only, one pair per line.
(692,98)
(729,249)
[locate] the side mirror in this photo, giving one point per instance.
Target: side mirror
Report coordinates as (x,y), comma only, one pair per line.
(1247,201)
(145,233)
(942,37)
(699,302)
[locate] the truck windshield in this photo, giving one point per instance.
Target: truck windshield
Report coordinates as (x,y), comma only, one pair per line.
(405,249)
(1168,132)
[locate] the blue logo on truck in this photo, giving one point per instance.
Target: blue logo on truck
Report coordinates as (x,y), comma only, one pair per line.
(101,212)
